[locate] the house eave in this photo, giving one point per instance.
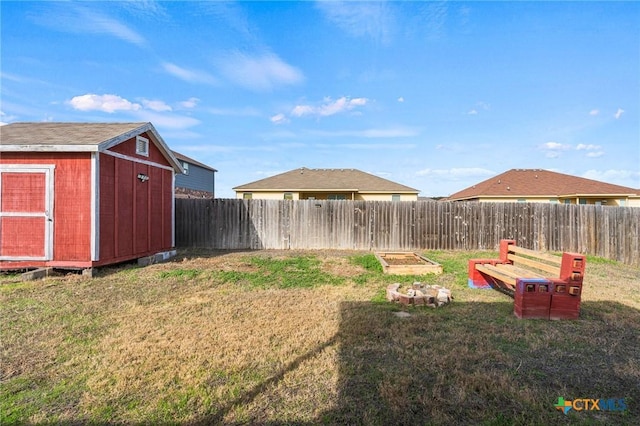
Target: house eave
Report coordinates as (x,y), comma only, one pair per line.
(49,148)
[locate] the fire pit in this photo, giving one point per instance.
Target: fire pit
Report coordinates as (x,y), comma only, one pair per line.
(419,294)
(407,263)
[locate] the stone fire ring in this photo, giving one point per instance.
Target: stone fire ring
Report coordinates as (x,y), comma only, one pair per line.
(419,295)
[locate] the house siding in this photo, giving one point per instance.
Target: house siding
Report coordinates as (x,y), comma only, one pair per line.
(198,179)
(279,195)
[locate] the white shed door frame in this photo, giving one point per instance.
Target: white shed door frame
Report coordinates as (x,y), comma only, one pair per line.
(45,212)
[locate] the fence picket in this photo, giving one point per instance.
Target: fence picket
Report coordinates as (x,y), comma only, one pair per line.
(610,232)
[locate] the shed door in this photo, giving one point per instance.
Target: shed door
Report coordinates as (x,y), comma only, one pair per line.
(26,212)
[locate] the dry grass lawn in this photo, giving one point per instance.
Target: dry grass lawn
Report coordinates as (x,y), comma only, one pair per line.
(305,338)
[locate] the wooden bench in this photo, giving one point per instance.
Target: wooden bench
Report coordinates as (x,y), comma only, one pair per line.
(519,263)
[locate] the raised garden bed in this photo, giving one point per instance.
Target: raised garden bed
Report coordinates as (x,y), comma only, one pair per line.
(407,263)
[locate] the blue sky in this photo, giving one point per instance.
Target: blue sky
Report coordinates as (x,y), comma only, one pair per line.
(434,95)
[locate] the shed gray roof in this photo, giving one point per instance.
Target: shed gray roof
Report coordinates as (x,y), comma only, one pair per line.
(74,137)
(304,179)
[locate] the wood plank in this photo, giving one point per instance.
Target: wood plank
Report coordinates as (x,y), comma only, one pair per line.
(548,257)
(535,264)
(496,273)
(522,272)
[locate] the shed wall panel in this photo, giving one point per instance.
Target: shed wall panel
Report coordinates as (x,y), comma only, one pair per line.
(125,212)
(107,206)
(18,190)
(22,236)
(72,200)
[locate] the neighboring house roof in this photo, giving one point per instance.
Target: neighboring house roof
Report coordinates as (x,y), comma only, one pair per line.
(77,137)
(183,157)
(540,183)
(304,179)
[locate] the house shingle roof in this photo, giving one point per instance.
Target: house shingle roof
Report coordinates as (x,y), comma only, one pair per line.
(76,137)
(539,183)
(304,179)
(27,134)
(192,161)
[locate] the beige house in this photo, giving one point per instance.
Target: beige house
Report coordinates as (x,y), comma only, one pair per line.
(544,186)
(326,184)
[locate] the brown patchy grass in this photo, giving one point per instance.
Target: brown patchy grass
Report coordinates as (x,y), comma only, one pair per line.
(225,337)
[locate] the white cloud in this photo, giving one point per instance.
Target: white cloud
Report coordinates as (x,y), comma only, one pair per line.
(456,173)
(480,105)
(360,19)
(190,76)
(619,113)
(279,119)
(145,8)
(169,121)
(629,178)
(329,107)
(554,149)
(262,73)
(70,17)
(391,132)
(401,99)
(555,146)
(156,105)
(367,146)
(589,147)
(238,112)
(6,118)
(300,110)
(189,103)
(595,154)
(104,103)
(154,111)
(594,112)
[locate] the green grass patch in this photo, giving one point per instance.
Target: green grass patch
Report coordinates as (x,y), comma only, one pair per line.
(184,274)
(294,272)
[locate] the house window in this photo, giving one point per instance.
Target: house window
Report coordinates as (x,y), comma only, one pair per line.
(288,195)
(142,146)
(622,202)
(553,200)
(185,166)
(395,197)
(582,201)
(522,200)
(247,195)
(336,197)
(567,201)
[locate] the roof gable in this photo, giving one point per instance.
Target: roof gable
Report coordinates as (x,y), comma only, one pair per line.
(541,183)
(78,137)
(304,179)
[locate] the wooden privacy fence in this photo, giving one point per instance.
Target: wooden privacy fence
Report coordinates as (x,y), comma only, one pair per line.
(610,232)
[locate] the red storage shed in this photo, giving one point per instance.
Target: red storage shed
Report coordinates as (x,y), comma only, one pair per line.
(80,195)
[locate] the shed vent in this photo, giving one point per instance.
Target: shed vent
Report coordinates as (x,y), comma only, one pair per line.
(142,146)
